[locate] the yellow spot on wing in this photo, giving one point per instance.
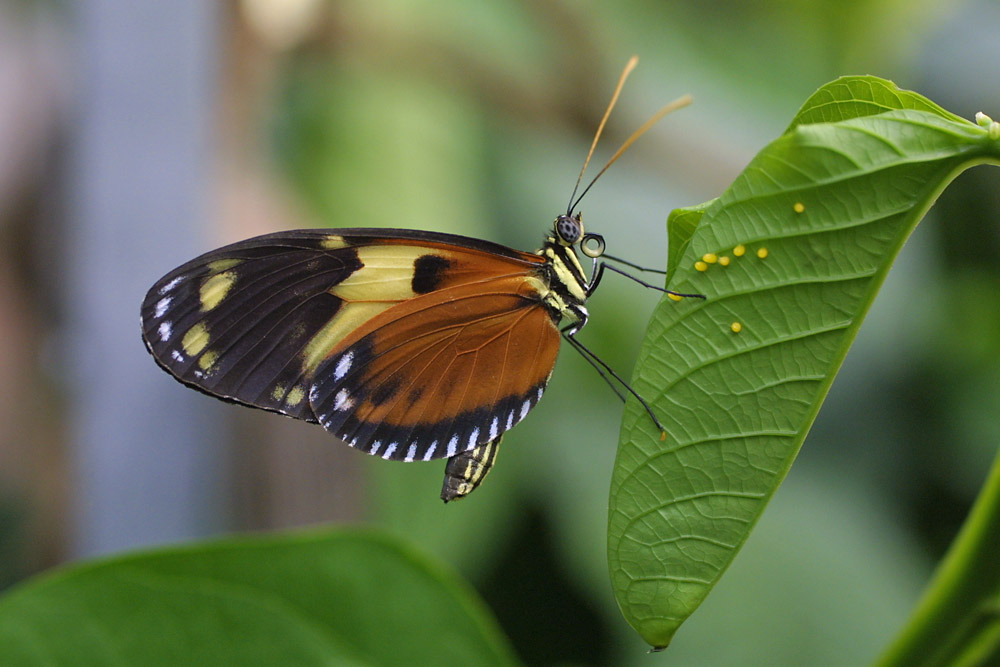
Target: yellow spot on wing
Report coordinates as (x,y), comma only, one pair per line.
(220,265)
(386,274)
(333,242)
(207,360)
(295,396)
(214,290)
(277,392)
(195,339)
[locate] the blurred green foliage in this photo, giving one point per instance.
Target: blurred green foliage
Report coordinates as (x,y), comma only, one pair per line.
(331,597)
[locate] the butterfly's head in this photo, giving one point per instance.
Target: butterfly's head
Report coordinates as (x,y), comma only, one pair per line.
(569,232)
(569,229)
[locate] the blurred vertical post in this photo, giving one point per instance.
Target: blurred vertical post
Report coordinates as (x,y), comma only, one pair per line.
(147,457)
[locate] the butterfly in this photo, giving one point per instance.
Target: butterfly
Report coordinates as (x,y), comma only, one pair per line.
(408,345)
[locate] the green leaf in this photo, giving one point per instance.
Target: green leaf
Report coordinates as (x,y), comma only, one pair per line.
(344,597)
(832,202)
(857,96)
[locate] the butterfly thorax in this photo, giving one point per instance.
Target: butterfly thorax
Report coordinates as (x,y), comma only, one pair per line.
(568,285)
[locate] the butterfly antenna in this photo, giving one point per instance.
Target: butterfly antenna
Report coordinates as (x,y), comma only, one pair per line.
(679,103)
(632,62)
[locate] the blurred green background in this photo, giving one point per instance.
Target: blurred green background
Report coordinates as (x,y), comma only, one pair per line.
(133,138)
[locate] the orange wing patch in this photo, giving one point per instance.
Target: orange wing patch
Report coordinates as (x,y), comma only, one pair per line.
(441,373)
(392,271)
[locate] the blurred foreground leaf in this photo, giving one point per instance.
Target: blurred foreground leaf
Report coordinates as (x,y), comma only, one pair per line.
(738,379)
(343,597)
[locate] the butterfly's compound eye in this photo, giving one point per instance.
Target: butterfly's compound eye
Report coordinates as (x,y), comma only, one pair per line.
(592,245)
(568,229)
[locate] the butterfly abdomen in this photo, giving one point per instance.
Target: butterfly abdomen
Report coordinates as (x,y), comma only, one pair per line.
(467,470)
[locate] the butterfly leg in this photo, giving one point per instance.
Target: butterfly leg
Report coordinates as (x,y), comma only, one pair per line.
(633,265)
(600,371)
(466,471)
(598,364)
(595,281)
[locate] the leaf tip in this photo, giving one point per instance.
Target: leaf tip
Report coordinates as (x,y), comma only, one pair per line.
(658,634)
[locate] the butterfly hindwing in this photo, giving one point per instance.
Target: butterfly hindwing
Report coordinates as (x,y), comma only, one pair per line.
(439,374)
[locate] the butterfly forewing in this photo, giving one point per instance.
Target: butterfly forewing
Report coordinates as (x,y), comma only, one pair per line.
(441,373)
(235,322)
(445,338)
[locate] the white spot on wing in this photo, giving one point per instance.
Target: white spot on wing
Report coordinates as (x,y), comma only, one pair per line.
(313,393)
(164,330)
(411,452)
(375,446)
(178,357)
(343,401)
(172,284)
(452,445)
(429,454)
(494,428)
(473,437)
(390,450)
(541,390)
(510,420)
(161,306)
(524,409)
(343,366)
